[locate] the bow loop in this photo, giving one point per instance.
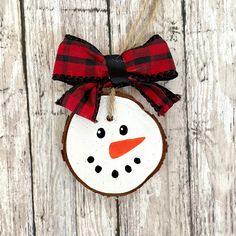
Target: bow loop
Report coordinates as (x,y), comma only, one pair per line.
(153,60)
(83,66)
(77,59)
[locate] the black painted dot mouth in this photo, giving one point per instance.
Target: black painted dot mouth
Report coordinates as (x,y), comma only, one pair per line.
(90,159)
(98,169)
(128,168)
(137,160)
(114,173)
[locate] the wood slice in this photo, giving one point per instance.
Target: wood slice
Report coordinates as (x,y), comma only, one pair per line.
(115,157)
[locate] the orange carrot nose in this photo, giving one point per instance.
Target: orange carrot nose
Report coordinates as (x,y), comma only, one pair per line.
(119,148)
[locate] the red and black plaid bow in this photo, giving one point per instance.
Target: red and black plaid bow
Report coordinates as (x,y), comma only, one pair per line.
(82,65)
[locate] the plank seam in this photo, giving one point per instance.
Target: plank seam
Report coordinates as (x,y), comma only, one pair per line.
(109,23)
(189,157)
(117,217)
(110,51)
(76,214)
(24,65)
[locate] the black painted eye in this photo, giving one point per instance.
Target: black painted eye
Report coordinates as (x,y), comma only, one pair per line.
(101,133)
(123,130)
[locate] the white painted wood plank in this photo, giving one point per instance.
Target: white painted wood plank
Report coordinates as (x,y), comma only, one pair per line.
(211,54)
(62,207)
(162,205)
(176,126)
(16,216)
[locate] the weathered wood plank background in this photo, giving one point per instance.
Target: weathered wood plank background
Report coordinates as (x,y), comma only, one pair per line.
(195,190)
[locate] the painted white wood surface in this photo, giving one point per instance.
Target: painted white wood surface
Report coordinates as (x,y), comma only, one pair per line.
(195,191)
(62,206)
(16,210)
(210,32)
(158,207)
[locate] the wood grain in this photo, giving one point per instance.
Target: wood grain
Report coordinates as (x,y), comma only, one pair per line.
(161,206)
(62,207)
(16,211)
(210,56)
(194,193)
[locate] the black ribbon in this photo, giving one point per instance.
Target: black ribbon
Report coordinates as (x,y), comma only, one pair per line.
(117,71)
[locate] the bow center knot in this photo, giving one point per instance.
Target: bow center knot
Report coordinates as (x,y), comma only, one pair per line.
(117,71)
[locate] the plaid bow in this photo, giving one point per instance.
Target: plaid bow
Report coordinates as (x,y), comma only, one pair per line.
(83,66)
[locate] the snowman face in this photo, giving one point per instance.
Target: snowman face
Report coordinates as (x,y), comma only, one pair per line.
(114,157)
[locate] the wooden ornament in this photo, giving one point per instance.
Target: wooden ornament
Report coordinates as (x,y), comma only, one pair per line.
(115,157)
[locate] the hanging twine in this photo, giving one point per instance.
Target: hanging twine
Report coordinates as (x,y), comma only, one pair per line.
(111,104)
(139,25)
(134,37)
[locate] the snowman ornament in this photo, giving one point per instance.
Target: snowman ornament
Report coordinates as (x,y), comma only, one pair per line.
(114,157)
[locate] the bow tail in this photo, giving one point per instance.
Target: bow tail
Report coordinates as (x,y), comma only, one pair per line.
(83,100)
(160,98)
